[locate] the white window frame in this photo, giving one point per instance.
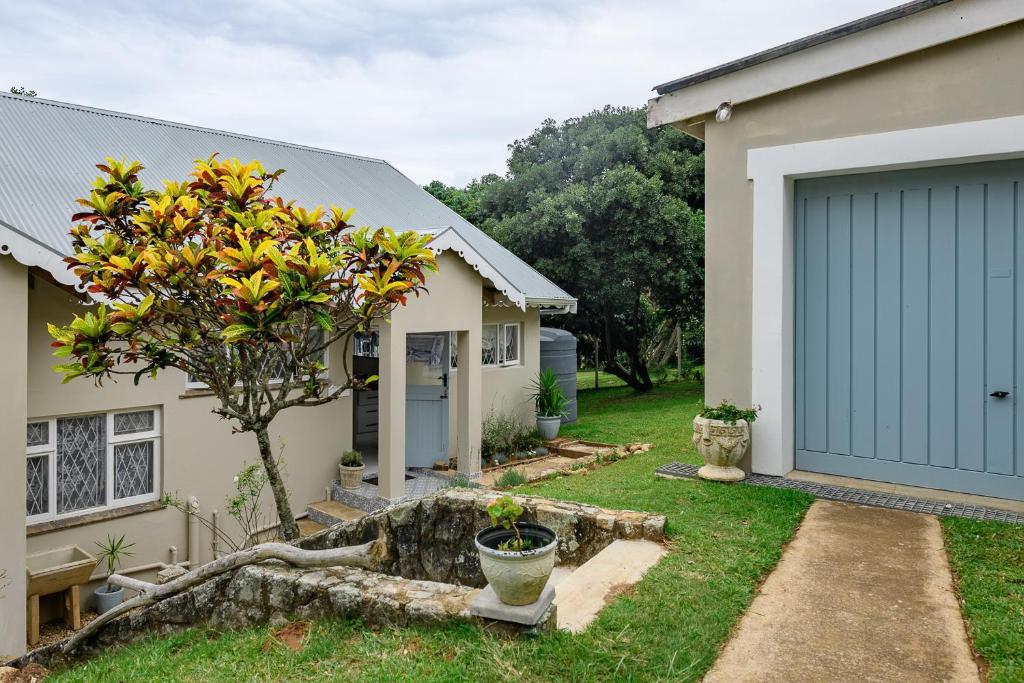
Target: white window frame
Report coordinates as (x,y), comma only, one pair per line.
(515,329)
(189,384)
(49,449)
(497,343)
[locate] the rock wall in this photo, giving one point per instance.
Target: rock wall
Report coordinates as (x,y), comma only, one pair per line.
(433,538)
(430,574)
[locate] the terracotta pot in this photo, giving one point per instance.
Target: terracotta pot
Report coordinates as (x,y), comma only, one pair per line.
(722,445)
(517,577)
(351,477)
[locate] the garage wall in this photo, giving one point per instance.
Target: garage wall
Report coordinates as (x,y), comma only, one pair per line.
(971,79)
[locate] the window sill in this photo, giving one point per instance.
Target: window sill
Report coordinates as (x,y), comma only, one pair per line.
(40,528)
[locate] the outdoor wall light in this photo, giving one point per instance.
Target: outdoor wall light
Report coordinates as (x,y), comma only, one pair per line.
(724,112)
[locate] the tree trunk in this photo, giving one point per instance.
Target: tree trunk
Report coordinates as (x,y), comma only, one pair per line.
(289,529)
(365,556)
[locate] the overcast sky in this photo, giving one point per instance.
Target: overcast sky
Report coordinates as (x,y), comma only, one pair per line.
(437,88)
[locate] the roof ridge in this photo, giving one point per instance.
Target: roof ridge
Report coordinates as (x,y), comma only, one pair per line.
(183,126)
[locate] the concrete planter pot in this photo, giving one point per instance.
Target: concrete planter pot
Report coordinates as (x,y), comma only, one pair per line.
(548,427)
(722,445)
(351,477)
(518,578)
(108,597)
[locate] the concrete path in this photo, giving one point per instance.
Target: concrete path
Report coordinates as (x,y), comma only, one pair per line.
(861,594)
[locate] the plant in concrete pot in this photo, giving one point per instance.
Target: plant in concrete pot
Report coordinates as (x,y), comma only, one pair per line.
(351,470)
(721,435)
(112,551)
(551,403)
(515,557)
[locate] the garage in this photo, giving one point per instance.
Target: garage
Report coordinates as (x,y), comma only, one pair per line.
(909,325)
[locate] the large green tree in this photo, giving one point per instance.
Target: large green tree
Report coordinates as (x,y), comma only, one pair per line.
(612,212)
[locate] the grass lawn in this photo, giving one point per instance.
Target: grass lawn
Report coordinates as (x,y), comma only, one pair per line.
(585,379)
(988,561)
(723,540)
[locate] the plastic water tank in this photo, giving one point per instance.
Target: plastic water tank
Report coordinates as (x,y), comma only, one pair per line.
(558,352)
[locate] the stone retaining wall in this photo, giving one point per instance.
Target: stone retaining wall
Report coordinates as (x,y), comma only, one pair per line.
(431,572)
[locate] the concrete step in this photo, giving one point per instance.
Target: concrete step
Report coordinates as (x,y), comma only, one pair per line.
(308,527)
(581,595)
(331,512)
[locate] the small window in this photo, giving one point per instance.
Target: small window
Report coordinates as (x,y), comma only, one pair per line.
(510,344)
(453,352)
(489,346)
(83,463)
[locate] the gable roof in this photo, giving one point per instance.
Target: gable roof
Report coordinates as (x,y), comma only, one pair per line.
(907,28)
(48,153)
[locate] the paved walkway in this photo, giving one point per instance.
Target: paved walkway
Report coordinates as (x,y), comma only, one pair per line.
(861,594)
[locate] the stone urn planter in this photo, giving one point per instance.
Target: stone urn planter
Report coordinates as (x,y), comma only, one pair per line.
(722,445)
(517,576)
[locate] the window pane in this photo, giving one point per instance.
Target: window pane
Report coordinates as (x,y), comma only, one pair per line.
(489,345)
(38,433)
(133,469)
(81,462)
(511,343)
(37,485)
(131,423)
(453,351)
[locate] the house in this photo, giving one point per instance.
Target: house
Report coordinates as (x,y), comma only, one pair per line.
(865,245)
(86,462)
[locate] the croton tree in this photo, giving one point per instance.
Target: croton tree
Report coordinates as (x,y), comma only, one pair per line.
(241,289)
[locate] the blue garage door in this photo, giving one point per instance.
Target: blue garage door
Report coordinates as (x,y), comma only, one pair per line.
(910,327)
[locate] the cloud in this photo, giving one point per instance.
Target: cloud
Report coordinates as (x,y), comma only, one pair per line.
(439,89)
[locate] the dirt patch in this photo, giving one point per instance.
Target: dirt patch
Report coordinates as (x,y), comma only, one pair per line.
(292,636)
(616,590)
(33,673)
(56,630)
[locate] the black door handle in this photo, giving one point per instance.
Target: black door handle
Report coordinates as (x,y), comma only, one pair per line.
(999,394)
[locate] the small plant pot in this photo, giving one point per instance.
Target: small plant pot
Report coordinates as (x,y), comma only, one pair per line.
(518,578)
(351,477)
(548,427)
(722,445)
(108,597)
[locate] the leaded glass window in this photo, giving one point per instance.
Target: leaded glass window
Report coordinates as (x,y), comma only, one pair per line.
(133,469)
(70,460)
(133,422)
(37,434)
(489,345)
(81,462)
(37,485)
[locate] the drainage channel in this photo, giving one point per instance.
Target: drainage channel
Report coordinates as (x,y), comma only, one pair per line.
(892,501)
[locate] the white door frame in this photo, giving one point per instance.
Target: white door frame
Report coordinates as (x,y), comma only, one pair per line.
(773,171)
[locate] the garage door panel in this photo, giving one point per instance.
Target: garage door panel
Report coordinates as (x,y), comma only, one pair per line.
(999,340)
(816,329)
(887,324)
(862,332)
(913,331)
(838,397)
(970,363)
(908,316)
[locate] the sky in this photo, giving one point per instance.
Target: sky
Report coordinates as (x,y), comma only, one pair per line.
(438,88)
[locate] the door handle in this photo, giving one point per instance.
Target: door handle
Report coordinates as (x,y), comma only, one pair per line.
(999,394)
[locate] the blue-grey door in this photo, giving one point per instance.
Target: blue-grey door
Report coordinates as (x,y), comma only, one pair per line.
(910,327)
(426,398)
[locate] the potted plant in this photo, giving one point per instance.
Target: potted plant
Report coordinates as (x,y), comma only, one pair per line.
(721,435)
(112,551)
(515,557)
(551,403)
(351,470)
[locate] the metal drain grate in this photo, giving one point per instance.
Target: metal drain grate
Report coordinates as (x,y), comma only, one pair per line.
(860,496)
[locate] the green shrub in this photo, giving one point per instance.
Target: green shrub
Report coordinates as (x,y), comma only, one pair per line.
(502,433)
(548,395)
(461,481)
(351,459)
(510,478)
(728,413)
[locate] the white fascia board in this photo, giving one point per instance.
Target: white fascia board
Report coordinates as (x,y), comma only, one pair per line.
(935,26)
(774,171)
(30,253)
(449,239)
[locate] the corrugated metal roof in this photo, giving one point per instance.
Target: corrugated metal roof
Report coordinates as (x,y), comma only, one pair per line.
(48,153)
